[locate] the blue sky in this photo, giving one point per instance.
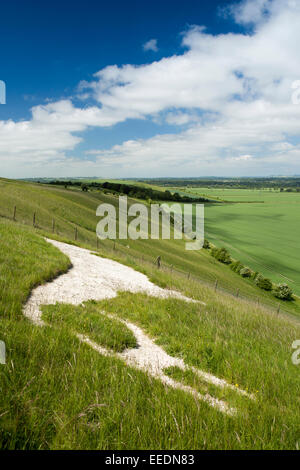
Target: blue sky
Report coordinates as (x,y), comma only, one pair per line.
(49,47)
(149,88)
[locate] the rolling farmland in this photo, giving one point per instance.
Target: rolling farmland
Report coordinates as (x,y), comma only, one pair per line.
(260,228)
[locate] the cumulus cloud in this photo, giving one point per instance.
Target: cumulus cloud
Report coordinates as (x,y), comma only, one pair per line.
(151,45)
(243,158)
(251,12)
(215,71)
(179,118)
(232,93)
(51,128)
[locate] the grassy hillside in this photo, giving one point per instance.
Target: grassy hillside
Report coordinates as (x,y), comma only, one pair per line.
(71,208)
(57,393)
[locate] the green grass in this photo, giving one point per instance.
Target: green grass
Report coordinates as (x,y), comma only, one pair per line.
(263,235)
(71,207)
(57,393)
(87,319)
(20,267)
(190,378)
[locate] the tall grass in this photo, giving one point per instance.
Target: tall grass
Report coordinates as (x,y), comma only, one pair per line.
(57,393)
(87,319)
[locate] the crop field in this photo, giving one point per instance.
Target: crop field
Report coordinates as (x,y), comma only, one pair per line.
(261,228)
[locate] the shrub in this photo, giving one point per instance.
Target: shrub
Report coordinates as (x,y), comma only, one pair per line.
(254,275)
(237,266)
(221,254)
(263,283)
(283,292)
(206,244)
(245,272)
(213,251)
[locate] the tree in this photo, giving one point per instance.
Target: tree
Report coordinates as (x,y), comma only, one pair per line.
(283,292)
(221,254)
(263,283)
(206,244)
(237,266)
(245,272)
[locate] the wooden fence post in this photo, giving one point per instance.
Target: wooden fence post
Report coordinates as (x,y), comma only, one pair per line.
(188,276)
(216,284)
(238,292)
(76,233)
(15,211)
(33,220)
(114,245)
(278,309)
(158,262)
(53,225)
(97,243)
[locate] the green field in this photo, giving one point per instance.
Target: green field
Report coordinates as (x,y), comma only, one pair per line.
(261,229)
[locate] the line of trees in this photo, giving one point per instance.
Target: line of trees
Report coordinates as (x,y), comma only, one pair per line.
(134,191)
(237,183)
(281,291)
(141,192)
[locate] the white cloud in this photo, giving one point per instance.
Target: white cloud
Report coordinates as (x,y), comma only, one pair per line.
(179,118)
(151,45)
(232,92)
(243,158)
(50,133)
(251,12)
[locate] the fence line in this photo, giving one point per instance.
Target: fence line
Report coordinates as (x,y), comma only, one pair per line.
(235,293)
(162,266)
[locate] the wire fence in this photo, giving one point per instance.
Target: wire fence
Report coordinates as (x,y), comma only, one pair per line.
(236,293)
(78,234)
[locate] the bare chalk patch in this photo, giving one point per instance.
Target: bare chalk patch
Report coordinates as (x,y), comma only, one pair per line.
(152,359)
(94,278)
(91,278)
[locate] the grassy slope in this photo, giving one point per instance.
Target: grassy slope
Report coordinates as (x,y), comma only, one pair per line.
(70,207)
(87,320)
(18,244)
(58,393)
